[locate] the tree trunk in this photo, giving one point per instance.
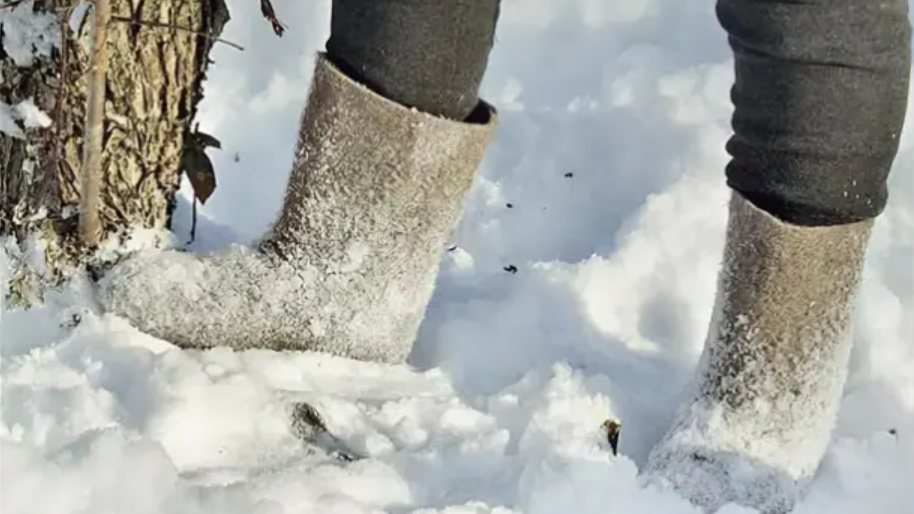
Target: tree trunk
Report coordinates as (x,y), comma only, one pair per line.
(156,67)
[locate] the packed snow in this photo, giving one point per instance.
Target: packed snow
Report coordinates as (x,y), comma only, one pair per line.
(604,197)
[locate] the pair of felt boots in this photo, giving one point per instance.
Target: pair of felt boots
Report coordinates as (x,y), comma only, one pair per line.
(350,265)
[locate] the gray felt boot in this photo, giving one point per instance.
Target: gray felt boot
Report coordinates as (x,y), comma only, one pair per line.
(773,368)
(350,265)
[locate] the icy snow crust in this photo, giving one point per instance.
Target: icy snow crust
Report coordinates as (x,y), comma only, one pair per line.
(513,373)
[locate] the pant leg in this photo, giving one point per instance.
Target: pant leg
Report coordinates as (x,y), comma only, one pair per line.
(819,101)
(430,55)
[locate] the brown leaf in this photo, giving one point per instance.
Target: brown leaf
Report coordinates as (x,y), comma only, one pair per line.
(203,139)
(200,173)
(266,8)
(612,429)
(309,426)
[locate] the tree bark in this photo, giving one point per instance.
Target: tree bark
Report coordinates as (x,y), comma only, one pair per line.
(157,59)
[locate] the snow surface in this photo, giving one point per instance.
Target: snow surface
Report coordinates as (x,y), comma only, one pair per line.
(513,373)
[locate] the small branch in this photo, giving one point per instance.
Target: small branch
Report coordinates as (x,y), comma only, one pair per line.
(90,228)
(176,27)
(10,5)
(193,225)
(56,152)
(14,3)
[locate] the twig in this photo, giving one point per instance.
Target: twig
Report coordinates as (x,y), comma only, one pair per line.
(11,4)
(193,224)
(89,221)
(61,89)
(14,3)
(176,27)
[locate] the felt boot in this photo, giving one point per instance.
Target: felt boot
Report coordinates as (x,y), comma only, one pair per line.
(349,266)
(773,368)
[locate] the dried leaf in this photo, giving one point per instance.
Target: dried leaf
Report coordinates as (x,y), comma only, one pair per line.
(309,426)
(205,140)
(612,429)
(266,8)
(307,421)
(199,170)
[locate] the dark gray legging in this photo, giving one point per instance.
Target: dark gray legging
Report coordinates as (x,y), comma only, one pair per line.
(819,98)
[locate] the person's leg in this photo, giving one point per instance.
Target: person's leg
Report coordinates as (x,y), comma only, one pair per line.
(427,55)
(376,187)
(819,97)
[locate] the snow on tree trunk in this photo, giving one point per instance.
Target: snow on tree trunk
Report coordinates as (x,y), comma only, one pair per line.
(156,68)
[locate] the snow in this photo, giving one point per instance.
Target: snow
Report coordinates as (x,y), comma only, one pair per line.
(26,35)
(31,115)
(26,113)
(8,117)
(512,375)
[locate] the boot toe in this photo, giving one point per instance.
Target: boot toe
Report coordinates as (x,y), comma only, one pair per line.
(187,299)
(711,478)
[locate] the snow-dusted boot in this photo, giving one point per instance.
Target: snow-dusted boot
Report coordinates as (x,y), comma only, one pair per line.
(349,266)
(773,367)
